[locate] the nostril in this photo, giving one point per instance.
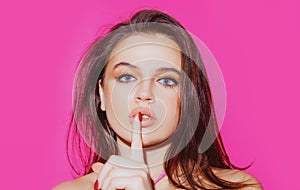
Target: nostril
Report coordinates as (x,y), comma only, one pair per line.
(146,99)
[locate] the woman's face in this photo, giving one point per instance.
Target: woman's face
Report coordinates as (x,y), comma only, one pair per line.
(143,75)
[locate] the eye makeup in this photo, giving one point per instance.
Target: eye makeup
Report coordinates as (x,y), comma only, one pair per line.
(125,78)
(167,82)
(167,77)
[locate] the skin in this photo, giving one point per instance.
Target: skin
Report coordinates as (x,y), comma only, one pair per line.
(141,83)
(87,181)
(145,74)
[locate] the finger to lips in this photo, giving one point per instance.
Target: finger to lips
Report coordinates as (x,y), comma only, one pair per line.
(136,140)
(136,154)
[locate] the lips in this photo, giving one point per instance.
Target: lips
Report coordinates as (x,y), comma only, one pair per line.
(148,118)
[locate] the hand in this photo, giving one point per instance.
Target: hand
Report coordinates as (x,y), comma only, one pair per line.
(124,173)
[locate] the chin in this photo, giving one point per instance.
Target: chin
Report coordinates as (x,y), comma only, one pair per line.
(152,141)
(148,140)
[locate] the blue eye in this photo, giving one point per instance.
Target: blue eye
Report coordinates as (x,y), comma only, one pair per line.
(168,82)
(125,78)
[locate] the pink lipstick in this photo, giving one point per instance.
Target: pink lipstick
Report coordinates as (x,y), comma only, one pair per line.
(143,115)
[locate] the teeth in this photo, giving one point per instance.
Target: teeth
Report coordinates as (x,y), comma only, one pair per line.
(145,116)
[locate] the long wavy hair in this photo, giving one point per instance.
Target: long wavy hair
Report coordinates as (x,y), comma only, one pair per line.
(185,167)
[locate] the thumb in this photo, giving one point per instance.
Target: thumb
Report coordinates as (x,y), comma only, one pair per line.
(97,167)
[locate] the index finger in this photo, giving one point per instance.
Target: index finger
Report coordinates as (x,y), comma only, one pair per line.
(136,141)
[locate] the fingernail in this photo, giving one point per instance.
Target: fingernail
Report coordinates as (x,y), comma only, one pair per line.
(140,117)
(96,185)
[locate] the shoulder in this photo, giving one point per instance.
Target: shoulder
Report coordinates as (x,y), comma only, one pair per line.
(84,182)
(234,175)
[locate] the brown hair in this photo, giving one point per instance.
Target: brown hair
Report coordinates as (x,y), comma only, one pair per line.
(184,167)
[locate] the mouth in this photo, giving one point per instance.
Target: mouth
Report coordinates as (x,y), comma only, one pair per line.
(145,117)
(148,118)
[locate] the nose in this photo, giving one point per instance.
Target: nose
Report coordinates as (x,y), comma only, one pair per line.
(144,92)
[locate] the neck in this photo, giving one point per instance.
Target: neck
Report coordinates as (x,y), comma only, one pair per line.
(153,156)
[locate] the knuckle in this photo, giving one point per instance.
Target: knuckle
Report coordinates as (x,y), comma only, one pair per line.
(116,172)
(109,173)
(140,180)
(144,174)
(114,182)
(112,158)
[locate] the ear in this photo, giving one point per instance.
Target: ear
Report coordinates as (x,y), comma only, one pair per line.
(101,93)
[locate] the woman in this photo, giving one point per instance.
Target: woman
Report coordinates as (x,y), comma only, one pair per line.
(143,116)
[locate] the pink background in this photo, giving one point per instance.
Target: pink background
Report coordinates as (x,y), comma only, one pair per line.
(256,44)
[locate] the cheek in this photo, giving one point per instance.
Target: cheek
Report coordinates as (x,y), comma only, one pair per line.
(173,109)
(170,99)
(170,109)
(117,109)
(118,96)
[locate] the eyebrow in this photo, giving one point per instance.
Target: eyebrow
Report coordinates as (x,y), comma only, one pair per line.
(124,64)
(161,69)
(168,69)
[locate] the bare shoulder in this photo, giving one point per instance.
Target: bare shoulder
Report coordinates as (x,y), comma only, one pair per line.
(84,182)
(238,176)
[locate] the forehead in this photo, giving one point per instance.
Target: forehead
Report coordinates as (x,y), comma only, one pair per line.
(146,47)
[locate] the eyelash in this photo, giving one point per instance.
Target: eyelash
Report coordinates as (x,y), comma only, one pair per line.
(174,82)
(120,78)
